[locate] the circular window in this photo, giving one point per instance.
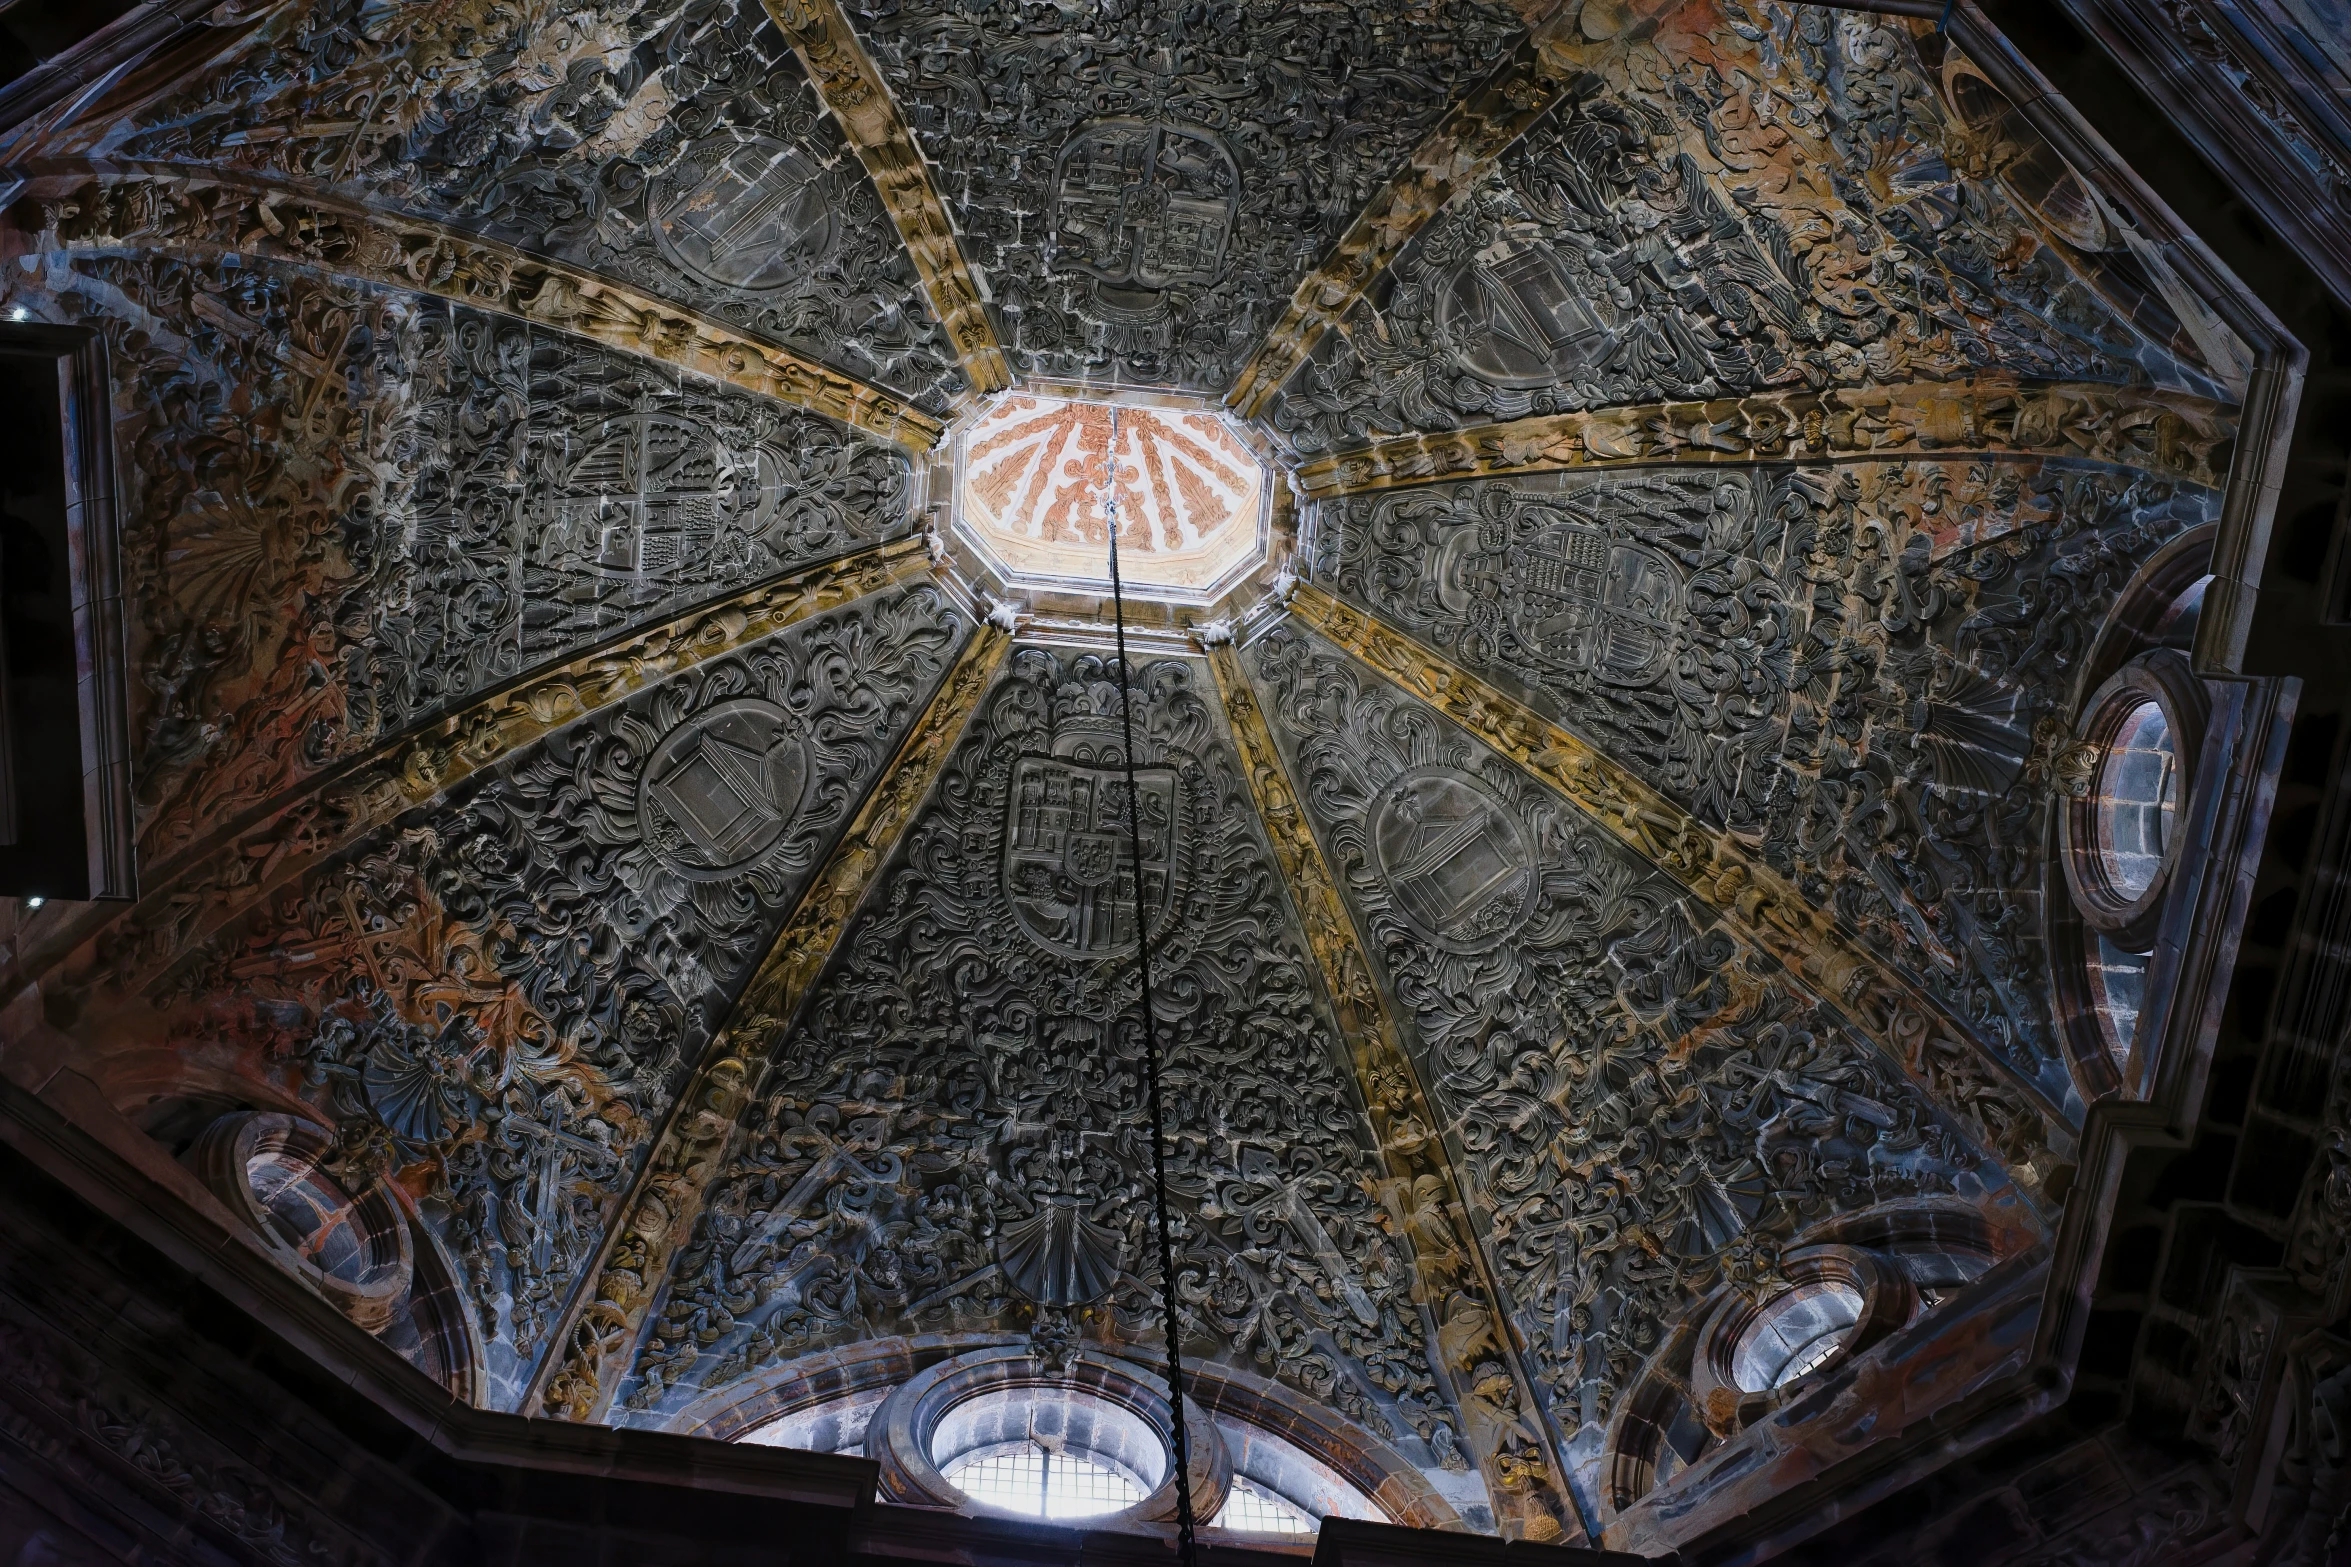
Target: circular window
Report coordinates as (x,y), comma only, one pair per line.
(1795,1334)
(354,1250)
(999,1430)
(996,1429)
(2034,172)
(1254,1509)
(1038,1481)
(310,1212)
(1048,1453)
(2135,752)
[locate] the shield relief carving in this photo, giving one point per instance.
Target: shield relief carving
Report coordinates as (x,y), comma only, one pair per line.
(1068,870)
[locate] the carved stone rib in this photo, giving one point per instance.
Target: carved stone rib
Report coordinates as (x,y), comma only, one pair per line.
(861,104)
(2005,1112)
(182,211)
(1414,1143)
(202,890)
(1473,133)
(2160,432)
(675,1182)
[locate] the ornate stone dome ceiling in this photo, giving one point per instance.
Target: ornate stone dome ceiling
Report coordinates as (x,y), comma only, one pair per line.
(1627,495)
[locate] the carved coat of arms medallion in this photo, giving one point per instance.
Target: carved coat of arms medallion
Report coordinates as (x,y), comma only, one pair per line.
(722,786)
(744,213)
(1519,320)
(1455,859)
(1141,207)
(1068,862)
(1581,602)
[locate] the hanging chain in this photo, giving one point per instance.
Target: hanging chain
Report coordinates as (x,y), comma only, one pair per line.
(1167,1287)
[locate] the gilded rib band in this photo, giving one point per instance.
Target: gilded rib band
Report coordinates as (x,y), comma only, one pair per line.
(692,1152)
(1753,899)
(2163,432)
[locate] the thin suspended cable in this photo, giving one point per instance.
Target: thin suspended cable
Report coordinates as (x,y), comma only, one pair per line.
(1167,1289)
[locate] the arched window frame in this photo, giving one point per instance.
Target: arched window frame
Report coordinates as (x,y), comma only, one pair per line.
(2097,935)
(407,1294)
(1905,1259)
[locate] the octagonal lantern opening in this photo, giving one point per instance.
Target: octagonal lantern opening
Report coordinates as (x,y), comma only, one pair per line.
(1039,480)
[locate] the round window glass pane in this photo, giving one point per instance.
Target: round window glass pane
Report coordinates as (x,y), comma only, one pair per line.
(1048,1452)
(1251,1508)
(2138,795)
(310,1212)
(1794,1335)
(1037,1481)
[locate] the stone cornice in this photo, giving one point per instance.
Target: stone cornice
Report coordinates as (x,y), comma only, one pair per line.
(2258,113)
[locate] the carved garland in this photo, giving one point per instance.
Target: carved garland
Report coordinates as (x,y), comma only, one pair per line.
(1418,1156)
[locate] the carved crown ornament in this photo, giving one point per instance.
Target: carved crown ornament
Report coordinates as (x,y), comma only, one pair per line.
(1642,526)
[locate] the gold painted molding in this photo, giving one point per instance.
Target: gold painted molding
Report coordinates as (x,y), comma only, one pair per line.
(183,210)
(2005,1113)
(676,1181)
(1423,1195)
(1473,133)
(662,1209)
(2170,433)
(845,78)
(197,893)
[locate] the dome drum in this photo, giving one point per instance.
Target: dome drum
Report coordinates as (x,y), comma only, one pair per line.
(1660,756)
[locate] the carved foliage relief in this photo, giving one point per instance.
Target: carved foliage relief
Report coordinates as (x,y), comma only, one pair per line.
(500,996)
(1637,1110)
(1862,671)
(1143,183)
(351,508)
(954,1136)
(675,147)
(566,493)
(1775,202)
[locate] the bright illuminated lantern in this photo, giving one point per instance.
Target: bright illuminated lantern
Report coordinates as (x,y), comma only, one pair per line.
(1036,479)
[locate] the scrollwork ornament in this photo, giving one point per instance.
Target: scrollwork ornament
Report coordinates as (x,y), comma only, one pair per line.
(1673,231)
(1642,1117)
(514,985)
(950,1138)
(1227,183)
(1857,671)
(683,156)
